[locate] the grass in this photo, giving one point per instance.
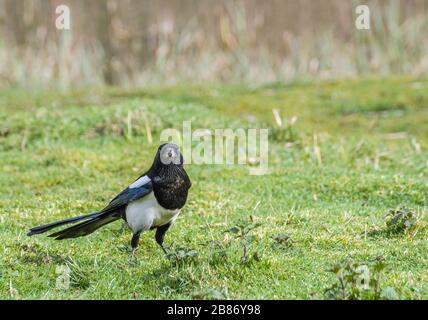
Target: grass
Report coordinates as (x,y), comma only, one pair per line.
(357,150)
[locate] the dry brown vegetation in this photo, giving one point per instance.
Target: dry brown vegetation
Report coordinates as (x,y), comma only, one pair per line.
(133,42)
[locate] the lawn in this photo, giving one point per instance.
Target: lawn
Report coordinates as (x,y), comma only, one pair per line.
(357,150)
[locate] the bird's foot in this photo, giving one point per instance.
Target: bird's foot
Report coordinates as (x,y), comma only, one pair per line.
(169,255)
(164,251)
(132,259)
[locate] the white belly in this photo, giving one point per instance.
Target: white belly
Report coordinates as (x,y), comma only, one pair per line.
(146,213)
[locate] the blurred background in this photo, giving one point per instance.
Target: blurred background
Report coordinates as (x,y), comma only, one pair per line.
(138,42)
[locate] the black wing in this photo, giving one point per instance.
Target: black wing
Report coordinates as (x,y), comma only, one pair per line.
(128,195)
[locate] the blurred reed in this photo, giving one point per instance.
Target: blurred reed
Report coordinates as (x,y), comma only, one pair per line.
(138,42)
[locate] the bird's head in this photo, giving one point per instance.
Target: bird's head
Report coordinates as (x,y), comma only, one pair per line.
(169,154)
(168,161)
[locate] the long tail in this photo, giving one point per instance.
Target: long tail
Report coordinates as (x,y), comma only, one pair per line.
(50,226)
(91,222)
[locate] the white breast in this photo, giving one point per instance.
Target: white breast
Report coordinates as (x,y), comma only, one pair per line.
(146,213)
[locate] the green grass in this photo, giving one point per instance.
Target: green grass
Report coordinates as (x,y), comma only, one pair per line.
(67,153)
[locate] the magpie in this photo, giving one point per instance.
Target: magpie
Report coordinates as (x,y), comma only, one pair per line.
(153,201)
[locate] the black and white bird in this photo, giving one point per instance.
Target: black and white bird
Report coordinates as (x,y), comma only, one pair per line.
(153,201)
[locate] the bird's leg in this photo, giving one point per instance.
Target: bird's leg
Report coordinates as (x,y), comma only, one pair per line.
(164,250)
(160,234)
(134,245)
